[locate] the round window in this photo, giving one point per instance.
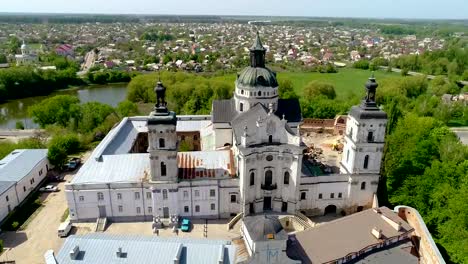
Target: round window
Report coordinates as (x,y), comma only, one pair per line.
(269,158)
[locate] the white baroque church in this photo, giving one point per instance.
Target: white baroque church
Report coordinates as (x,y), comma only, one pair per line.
(250,159)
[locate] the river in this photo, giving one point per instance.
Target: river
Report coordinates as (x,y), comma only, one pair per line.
(17,110)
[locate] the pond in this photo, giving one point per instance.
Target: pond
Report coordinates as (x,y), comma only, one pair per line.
(17,110)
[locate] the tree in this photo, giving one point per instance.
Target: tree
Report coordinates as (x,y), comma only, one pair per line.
(3,58)
(286,90)
(317,88)
(60,146)
(127,108)
(60,109)
(92,114)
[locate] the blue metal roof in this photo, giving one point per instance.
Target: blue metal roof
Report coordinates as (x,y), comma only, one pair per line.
(16,165)
(102,248)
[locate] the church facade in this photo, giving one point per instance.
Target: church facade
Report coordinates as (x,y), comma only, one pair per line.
(250,159)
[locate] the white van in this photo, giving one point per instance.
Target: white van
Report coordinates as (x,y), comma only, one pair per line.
(64,229)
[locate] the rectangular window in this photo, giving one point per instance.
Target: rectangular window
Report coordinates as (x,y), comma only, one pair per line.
(138,210)
(137,196)
(81,198)
(320,196)
(185,194)
(186,209)
(148,195)
(100,196)
(197,208)
(332,195)
(119,196)
(120,208)
(150,209)
(212,193)
(164,194)
(340,195)
(233,198)
(24,188)
(303,195)
(197,193)
(7,199)
(213,207)
(40,172)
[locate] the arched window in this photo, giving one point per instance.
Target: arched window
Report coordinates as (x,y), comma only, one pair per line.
(268,178)
(370,137)
(363,185)
(163,169)
(252,178)
(286,177)
(366,161)
(259,93)
(241,107)
(242,91)
(270,139)
(162,144)
(164,194)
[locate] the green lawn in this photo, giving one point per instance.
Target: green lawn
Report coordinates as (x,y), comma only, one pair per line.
(347,81)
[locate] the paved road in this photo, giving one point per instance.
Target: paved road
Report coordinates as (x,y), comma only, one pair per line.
(19,132)
(29,246)
(462,133)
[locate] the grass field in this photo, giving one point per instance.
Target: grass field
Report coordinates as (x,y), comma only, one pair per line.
(348,81)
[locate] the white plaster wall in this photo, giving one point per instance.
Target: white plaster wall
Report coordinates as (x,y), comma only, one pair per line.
(222,136)
(12,201)
(34,173)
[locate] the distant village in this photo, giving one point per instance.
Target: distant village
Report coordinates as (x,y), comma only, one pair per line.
(203,47)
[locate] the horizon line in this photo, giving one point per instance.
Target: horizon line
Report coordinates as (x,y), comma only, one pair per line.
(230,15)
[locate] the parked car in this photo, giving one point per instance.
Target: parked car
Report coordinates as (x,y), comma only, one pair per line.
(64,228)
(49,188)
(185,227)
(73,163)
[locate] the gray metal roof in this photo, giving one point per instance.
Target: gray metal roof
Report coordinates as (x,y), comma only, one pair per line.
(223,111)
(102,248)
(114,168)
(16,165)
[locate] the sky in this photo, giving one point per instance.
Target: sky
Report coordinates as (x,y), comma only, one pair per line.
(433,9)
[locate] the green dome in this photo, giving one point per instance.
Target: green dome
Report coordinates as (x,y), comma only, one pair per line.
(257,76)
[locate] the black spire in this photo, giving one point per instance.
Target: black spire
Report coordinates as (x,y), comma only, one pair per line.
(371,87)
(161,105)
(257,53)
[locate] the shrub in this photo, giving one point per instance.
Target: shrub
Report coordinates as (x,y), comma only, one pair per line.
(15,225)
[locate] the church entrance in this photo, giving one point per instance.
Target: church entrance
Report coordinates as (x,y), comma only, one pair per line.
(331,209)
(267,204)
(284,207)
(165,212)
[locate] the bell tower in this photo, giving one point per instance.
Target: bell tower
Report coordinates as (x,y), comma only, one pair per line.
(365,134)
(162,139)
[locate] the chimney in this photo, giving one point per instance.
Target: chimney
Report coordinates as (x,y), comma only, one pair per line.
(221,255)
(178,254)
(74,252)
(120,254)
(377,232)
